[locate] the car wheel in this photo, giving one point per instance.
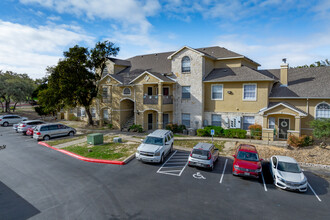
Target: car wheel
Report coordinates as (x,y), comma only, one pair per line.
(5,124)
(24,133)
(46,138)
(71,133)
(162,159)
(212,167)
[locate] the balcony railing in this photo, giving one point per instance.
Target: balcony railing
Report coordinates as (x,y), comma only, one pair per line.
(168,99)
(150,99)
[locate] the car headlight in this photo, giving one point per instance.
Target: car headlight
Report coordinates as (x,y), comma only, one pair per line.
(281,179)
(236,166)
(137,151)
(304,182)
(259,170)
(157,153)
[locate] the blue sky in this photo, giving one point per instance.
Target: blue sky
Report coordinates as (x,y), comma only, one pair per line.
(34,33)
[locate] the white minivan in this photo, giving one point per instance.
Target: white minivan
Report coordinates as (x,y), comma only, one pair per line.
(156,146)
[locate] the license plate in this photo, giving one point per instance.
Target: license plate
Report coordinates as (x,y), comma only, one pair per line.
(247,174)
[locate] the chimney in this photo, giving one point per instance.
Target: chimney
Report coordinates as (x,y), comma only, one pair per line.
(284,73)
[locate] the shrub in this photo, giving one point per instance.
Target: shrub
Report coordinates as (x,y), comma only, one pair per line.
(110,126)
(301,141)
(73,118)
(201,132)
(175,128)
(181,128)
(321,129)
(256,131)
(136,128)
(218,131)
(235,133)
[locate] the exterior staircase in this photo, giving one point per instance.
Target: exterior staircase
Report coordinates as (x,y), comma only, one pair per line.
(128,124)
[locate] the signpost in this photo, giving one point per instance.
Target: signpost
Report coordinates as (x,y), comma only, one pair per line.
(212,133)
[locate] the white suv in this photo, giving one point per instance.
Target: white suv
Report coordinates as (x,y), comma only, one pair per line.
(156,146)
(6,120)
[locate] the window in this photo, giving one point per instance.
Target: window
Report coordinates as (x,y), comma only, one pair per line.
(83,113)
(166,91)
(271,123)
(105,114)
(185,64)
(217,91)
(78,112)
(105,92)
(127,91)
(322,111)
(216,120)
(250,92)
(93,112)
(186,92)
(186,120)
(149,90)
(247,121)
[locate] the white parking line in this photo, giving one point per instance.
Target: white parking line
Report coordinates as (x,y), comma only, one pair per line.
(314,192)
(172,165)
(263,180)
(166,161)
(183,168)
(223,172)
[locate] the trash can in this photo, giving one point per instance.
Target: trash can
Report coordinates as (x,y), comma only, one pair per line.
(95,139)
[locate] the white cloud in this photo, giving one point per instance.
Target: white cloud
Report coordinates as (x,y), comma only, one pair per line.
(25,49)
(131,14)
(269,52)
(54,18)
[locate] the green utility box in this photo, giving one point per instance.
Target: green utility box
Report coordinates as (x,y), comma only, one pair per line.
(95,139)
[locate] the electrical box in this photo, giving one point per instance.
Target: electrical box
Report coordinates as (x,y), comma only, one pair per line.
(95,139)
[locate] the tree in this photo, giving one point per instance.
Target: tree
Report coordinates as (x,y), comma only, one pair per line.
(321,129)
(74,81)
(320,63)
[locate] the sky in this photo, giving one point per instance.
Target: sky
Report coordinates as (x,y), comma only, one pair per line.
(35,33)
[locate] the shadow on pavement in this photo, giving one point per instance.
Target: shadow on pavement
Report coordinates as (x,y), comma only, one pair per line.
(13,206)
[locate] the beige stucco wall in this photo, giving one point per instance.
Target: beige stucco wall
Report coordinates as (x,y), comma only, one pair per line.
(235,102)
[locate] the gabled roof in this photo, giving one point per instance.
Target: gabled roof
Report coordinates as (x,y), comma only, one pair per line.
(159,76)
(113,77)
(236,74)
(302,82)
(120,62)
(185,47)
(273,105)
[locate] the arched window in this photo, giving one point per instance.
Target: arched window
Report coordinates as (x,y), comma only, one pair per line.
(127,91)
(322,110)
(185,64)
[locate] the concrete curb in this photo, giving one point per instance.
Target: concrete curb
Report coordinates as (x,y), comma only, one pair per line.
(128,159)
(83,158)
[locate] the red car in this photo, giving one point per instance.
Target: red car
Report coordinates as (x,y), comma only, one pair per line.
(30,131)
(247,161)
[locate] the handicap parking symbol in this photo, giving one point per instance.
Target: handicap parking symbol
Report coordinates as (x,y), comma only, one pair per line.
(198,175)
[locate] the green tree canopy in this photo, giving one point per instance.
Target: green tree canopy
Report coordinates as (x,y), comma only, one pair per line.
(320,63)
(321,129)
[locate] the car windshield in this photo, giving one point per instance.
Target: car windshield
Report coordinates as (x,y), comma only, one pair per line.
(154,140)
(200,152)
(242,155)
(288,167)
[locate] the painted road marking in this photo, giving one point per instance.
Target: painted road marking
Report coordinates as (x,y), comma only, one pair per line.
(173,164)
(263,180)
(199,176)
(314,192)
(223,172)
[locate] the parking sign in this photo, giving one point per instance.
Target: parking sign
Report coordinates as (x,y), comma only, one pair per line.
(212,132)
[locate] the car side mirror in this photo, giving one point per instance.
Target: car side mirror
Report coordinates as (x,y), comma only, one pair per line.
(234,156)
(261,159)
(141,140)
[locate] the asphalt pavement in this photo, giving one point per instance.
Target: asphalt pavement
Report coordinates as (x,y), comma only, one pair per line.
(39,183)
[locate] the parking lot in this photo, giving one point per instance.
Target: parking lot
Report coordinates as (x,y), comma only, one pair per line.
(57,183)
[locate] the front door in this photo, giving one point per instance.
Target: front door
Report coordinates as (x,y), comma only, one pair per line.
(165,120)
(166,91)
(149,121)
(284,125)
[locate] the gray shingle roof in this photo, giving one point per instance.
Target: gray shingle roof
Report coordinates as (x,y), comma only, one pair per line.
(120,62)
(302,82)
(236,74)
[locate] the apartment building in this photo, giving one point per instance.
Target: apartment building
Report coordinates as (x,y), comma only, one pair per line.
(210,86)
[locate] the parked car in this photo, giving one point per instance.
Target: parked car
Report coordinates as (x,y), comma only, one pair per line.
(156,146)
(16,125)
(23,126)
(6,120)
(47,131)
(203,155)
(247,161)
(30,130)
(287,173)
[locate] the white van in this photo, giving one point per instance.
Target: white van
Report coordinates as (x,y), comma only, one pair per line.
(156,146)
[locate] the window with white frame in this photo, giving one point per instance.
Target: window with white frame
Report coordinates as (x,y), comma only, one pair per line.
(271,123)
(186,120)
(247,121)
(322,111)
(216,120)
(186,92)
(127,91)
(249,92)
(217,92)
(78,112)
(93,110)
(83,112)
(185,64)
(105,114)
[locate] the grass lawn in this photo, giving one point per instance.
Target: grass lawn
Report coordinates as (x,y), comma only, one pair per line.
(62,141)
(107,151)
(191,144)
(180,135)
